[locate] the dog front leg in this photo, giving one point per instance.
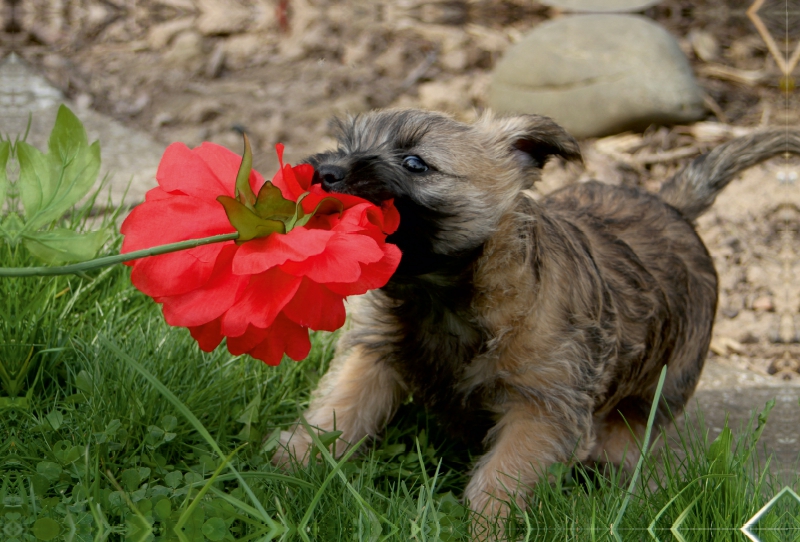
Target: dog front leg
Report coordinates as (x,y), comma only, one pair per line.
(526,442)
(357,396)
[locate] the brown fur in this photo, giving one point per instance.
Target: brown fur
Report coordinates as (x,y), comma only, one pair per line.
(534,329)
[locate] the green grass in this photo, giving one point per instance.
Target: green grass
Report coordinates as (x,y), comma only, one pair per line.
(115,426)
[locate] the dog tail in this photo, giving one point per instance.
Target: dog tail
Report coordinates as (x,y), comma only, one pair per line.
(693,189)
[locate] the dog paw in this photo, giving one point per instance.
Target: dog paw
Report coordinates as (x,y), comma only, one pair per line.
(292,445)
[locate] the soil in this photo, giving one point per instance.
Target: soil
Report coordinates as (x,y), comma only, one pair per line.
(199,70)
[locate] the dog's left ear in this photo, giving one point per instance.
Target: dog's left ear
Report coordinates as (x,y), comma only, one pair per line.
(531,139)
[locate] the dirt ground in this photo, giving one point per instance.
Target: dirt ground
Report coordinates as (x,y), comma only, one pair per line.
(198,70)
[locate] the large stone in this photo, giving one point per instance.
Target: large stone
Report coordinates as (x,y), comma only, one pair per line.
(598,75)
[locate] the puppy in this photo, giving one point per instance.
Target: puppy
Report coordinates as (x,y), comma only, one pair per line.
(536,329)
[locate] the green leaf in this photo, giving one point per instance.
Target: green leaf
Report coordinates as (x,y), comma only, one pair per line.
(52,183)
(719,452)
(49,470)
(215,529)
(46,529)
(247,223)
(130,479)
(75,177)
(68,136)
(244,192)
(173,479)
(325,207)
(272,205)
(162,509)
(55,419)
(5,151)
(34,170)
(62,245)
(250,413)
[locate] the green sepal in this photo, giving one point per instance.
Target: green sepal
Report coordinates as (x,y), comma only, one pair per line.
(247,223)
(272,205)
(326,206)
(61,245)
(5,151)
(243,191)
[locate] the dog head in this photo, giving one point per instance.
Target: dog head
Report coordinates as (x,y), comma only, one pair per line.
(451,182)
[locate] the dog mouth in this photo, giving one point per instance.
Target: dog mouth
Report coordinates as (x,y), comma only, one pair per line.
(336,180)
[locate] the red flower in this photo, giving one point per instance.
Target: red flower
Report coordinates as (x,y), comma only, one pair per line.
(263,294)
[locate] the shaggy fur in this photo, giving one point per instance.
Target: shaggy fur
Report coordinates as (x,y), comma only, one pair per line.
(533,329)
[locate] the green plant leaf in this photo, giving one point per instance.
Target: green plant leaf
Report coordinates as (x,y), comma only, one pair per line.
(247,223)
(244,192)
(271,204)
(68,135)
(5,151)
(46,529)
(50,184)
(325,207)
(63,245)
(34,170)
(215,529)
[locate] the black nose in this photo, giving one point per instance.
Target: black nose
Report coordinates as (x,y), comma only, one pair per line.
(329,176)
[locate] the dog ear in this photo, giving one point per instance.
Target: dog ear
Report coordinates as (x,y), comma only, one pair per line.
(532,139)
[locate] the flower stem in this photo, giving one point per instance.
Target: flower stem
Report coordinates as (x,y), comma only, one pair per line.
(105,261)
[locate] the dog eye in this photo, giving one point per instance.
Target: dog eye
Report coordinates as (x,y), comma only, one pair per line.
(414,164)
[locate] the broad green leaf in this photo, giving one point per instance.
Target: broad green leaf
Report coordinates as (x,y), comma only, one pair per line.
(247,223)
(162,509)
(68,136)
(52,183)
(46,529)
(250,413)
(5,150)
(73,180)
(244,192)
(63,245)
(272,205)
(34,170)
(215,529)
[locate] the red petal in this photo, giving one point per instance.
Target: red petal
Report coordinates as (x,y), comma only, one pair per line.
(340,260)
(157,193)
(175,273)
(225,165)
(299,244)
(283,336)
(247,341)
(208,336)
(265,296)
(316,307)
(391,217)
(210,301)
(173,219)
(184,171)
(373,275)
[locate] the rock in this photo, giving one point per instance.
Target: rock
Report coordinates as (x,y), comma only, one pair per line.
(222,18)
(598,75)
(704,45)
(597,6)
(240,50)
(186,51)
(160,35)
(763,303)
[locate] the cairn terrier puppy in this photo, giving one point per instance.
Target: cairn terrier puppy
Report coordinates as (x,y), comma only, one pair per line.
(535,329)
